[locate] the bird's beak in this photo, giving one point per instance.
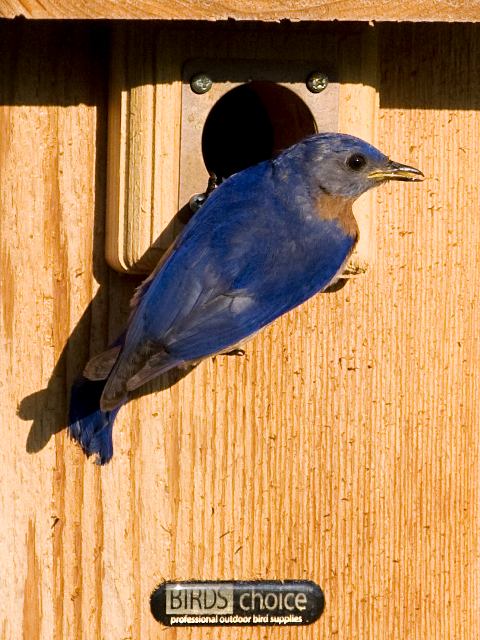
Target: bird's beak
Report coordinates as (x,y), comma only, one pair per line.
(396,171)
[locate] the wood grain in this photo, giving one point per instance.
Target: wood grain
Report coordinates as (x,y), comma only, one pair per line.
(343,448)
(266,10)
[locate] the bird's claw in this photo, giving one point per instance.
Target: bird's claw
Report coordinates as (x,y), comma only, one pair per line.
(198,199)
(235,352)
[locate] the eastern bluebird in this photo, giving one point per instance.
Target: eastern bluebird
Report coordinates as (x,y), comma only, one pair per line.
(267,239)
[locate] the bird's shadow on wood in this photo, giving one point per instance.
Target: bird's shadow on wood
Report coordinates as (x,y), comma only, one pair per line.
(48,416)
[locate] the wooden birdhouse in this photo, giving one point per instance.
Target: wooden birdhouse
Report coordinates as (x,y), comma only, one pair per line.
(344,447)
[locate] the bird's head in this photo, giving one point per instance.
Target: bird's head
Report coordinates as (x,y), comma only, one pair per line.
(342,165)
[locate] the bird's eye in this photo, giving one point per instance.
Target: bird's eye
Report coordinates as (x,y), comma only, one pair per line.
(356,161)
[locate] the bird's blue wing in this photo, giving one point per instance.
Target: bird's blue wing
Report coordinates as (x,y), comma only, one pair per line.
(244,260)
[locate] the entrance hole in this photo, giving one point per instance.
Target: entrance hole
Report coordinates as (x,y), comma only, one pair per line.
(252,123)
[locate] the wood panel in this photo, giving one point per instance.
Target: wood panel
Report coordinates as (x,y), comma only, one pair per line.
(343,448)
(266,10)
(428,408)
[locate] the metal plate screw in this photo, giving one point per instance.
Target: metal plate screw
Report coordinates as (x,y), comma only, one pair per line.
(200,83)
(317,82)
(196,201)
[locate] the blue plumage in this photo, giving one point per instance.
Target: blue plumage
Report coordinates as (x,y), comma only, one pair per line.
(266,240)
(89,426)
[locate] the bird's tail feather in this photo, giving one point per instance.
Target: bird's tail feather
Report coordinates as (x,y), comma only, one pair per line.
(88,425)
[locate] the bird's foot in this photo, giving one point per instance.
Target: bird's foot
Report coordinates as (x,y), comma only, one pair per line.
(234,352)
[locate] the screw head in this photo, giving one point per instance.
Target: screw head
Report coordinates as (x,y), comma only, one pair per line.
(196,201)
(317,82)
(200,83)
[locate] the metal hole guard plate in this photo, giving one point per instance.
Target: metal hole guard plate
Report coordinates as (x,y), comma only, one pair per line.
(227,75)
(237,603)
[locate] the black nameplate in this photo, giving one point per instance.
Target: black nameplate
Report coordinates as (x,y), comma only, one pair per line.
(235,603)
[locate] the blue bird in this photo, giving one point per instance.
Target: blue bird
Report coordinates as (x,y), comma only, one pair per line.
(267,239)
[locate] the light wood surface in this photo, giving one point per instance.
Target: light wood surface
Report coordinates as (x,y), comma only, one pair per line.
(343,448)
(266,10)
